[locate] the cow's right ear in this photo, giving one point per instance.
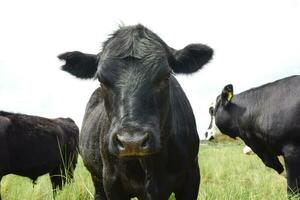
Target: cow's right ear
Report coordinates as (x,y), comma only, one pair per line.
(190,59)
(80,64)
(227,95)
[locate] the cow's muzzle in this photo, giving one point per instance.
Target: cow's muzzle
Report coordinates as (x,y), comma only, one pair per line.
(134,144)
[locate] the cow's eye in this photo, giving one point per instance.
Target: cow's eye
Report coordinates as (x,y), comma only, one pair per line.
(103,82)
(162,84)
(165,79)
(103,85)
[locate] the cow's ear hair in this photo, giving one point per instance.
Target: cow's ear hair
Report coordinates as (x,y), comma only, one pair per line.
(79,64)
(191,58)
(227,94)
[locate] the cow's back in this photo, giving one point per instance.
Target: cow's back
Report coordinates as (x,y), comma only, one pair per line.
(35,145)
(274,108)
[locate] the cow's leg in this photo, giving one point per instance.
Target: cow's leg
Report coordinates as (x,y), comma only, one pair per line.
(190,187)
(99,189)
(69,171)
(292,163)
(57,177)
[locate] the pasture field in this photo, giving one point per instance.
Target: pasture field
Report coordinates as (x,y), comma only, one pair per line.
(226,174)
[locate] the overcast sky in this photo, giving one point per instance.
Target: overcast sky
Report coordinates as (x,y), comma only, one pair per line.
(255,42)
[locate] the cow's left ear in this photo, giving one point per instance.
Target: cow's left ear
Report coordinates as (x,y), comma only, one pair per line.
(227,94)
(191,58)
(80,64)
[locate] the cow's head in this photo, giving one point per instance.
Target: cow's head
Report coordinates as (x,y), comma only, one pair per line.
(135,70)
(212,130)
(224,112)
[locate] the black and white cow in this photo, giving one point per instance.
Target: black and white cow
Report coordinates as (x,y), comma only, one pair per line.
(267,119)
(139,137)
(32,146)
(213,131)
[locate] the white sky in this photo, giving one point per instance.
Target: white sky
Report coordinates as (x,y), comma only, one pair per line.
(255,42)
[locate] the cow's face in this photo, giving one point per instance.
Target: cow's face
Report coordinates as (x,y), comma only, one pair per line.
(212,131)
(136,97)
(135,72)
(223,112)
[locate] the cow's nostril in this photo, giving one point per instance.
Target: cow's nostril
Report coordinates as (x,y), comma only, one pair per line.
(145,141)
(119,142)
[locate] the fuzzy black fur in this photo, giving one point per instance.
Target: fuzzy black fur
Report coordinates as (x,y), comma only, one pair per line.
(139,136)
(267,119)
(191,58)
(79,64)
(31,146)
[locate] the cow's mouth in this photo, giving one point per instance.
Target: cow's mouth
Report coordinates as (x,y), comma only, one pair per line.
(135,154)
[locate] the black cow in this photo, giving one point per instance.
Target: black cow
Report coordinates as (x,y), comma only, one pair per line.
(267,119)
(31,146)
(139,137)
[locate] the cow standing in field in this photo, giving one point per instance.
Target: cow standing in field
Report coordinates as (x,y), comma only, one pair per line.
(31,146)
(139,137)
(267,119)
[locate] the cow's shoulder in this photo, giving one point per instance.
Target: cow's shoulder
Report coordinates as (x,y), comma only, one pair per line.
(5,122)
(182,112)
(96,98)
(184,138)
(95,113)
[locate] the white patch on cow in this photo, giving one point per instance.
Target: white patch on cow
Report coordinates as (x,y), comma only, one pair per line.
(213,131)
(247,150)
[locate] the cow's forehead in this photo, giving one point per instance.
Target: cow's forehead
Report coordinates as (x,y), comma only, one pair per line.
(123,71)
(133,65)
(133,41)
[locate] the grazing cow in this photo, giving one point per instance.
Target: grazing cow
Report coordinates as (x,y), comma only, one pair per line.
(267,119)
(139,137)
(31,146)
(214,131)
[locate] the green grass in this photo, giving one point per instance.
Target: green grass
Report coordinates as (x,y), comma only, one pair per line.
(226,174)
(16,187)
